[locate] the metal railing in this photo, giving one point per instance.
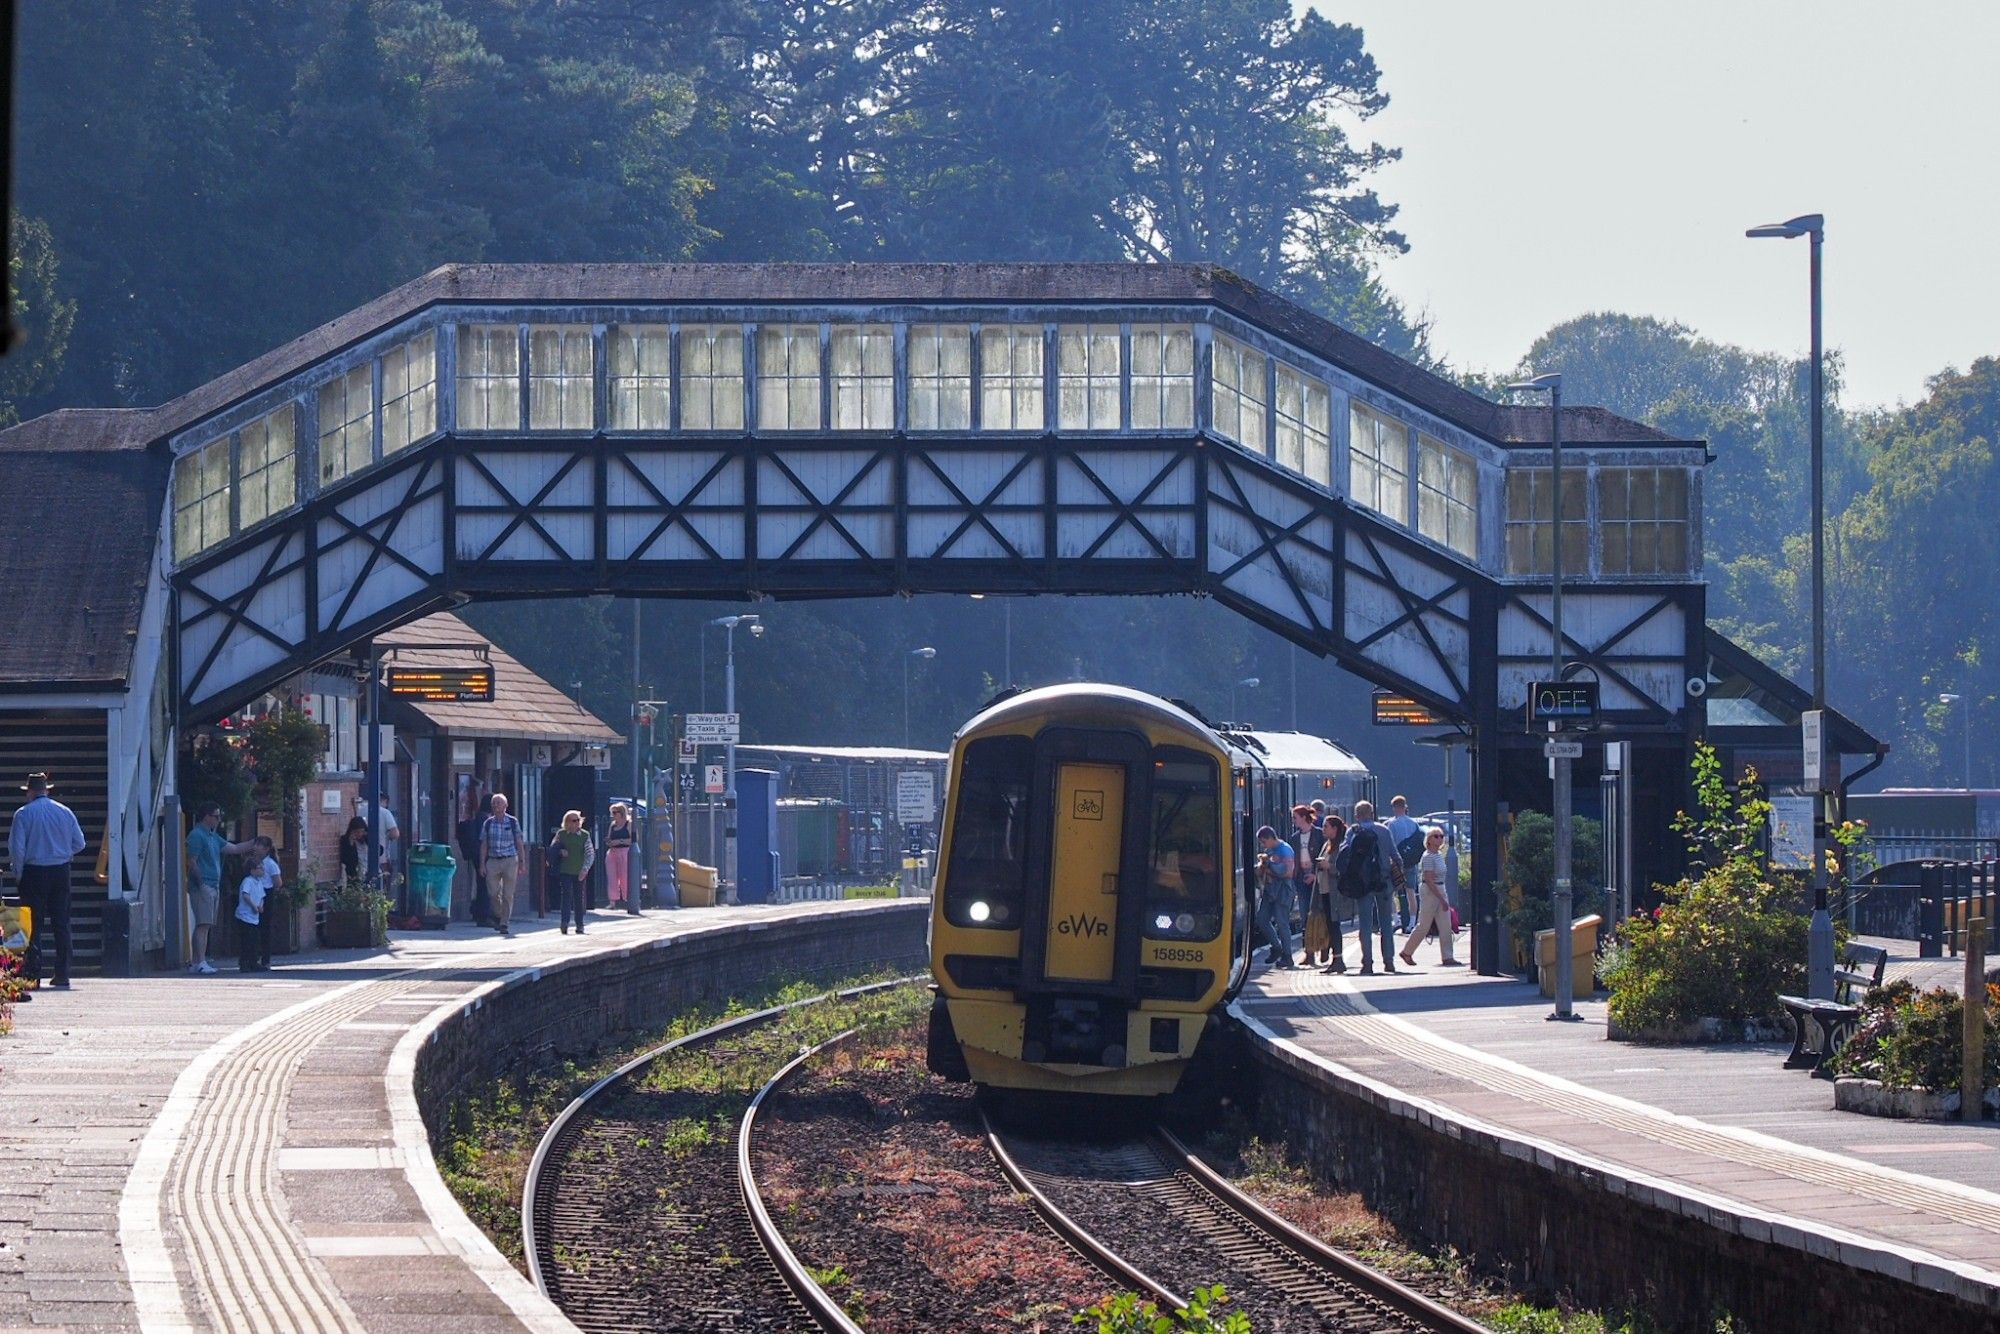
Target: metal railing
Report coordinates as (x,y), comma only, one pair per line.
(1950,894)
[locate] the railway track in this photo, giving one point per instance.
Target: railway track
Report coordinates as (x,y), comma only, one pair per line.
(1156,1218)
(615,1260)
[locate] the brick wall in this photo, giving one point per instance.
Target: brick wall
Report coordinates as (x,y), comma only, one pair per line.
(574,1007)
(1553,1225)
(319,850)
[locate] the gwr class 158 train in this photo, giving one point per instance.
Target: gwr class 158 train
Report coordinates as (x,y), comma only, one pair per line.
(1090,911)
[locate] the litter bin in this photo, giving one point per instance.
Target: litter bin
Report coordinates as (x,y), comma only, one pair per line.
(432,870)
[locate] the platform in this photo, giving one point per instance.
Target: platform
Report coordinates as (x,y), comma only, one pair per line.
(245,1152)
(1737,1138)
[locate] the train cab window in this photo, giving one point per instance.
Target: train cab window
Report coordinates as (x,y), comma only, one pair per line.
(985,879)
(1184,893)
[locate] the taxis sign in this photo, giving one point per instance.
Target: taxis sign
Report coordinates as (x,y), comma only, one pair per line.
(441,685)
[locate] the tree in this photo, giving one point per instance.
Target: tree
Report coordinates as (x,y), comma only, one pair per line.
(42,314)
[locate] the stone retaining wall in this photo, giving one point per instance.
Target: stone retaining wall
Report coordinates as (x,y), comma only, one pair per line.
(572,1008)
(1554,1223)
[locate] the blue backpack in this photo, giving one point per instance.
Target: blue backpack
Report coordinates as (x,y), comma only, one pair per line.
(1358,865)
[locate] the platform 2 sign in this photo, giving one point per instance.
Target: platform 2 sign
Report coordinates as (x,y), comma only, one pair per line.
(1392,710)
(440,685)
(1569,703)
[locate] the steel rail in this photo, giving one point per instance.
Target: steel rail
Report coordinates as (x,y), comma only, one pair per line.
(818,1301)
(539,1191)
(1311,1249)
(1073,1232)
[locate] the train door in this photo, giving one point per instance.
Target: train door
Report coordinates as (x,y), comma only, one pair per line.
(1087,849)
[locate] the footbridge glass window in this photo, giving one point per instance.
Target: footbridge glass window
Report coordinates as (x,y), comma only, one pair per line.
(788,377)
(1236,403)
(1184,891)
(489,378)
(711,377)
(986,876)
(1010,378)
(347,425)
(409,393)
(1088,369)
(1530,530)
(864,377)
(1447,496)
(1303,417)
(642,377)
(561,383)
(1378,463)
(267,466)
(1643,516)
(201,499)
(940,358)
(1162,377)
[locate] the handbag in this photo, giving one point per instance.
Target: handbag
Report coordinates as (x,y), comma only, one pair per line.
(1316,934)
(1455,928)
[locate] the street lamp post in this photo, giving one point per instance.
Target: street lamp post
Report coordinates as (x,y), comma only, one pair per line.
(1964,728)
(1561,897)
(756,628)
(1247,683)
(926,653)
(1819,937)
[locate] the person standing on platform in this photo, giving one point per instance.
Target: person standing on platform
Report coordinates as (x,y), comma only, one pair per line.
(43,840)
(618,859)
(1333,832)
(1433,908)
(253,948)
(500,861)
(1408,836)
(1370,872)
(468,848)
(1306,843)
(1278,868)
(573,857)
(205,851)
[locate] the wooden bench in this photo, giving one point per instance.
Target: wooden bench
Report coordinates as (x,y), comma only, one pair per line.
(1820,1028)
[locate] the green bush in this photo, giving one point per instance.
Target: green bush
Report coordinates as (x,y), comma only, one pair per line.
(1729,939)
(1916,1039)
(1531,868)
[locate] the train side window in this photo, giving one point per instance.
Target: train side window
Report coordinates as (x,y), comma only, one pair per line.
(1184,893)
(985,878)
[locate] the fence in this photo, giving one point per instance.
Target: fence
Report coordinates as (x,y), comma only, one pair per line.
(1921,845)
(1949,895)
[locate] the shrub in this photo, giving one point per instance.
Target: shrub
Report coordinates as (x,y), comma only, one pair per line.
(1916,1039)
(1531,870)
(1729,938)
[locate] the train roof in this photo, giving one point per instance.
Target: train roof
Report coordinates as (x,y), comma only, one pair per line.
(1081,695)
(1294,753)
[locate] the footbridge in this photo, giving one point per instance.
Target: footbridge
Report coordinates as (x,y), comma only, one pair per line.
(776,431)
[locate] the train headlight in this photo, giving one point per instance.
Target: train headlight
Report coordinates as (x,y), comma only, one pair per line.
(980,911)
(1184,923)
(1165,922)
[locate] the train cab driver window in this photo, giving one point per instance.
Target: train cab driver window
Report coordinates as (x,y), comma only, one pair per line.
(1184,898)
(986,875)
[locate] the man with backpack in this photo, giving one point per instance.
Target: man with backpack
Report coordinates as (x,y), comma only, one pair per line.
(1367,869)
(1409,840)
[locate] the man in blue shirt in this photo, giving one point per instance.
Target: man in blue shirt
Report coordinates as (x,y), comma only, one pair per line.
(205,850)
(1408,837)
(1279,866)
(41,842)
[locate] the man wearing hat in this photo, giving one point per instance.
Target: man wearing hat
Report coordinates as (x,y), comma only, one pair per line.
(43,839)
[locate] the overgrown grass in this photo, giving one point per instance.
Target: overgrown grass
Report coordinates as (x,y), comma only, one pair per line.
(489,1138)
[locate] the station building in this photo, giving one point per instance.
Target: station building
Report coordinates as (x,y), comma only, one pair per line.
(784,431)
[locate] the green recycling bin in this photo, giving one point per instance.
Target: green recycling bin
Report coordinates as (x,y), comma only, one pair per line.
(432,870)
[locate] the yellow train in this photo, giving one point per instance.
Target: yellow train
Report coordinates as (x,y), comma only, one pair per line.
(1089,912)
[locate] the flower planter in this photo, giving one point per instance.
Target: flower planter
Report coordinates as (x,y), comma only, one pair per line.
(1871,1097)
(350,929)
(1702,1032)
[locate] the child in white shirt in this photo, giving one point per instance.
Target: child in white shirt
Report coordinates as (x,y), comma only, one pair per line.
(252,934)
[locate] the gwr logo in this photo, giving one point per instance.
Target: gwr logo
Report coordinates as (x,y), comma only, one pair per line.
(1082,924)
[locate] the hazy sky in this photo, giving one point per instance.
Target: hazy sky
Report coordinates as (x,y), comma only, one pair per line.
(1563,157)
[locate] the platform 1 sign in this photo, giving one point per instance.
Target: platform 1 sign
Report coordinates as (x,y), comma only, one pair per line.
(916,796)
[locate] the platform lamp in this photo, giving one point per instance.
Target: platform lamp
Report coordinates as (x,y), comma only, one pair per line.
(926,653)
(756,629)
(1819,938)
(1561,899)
(1247,683)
